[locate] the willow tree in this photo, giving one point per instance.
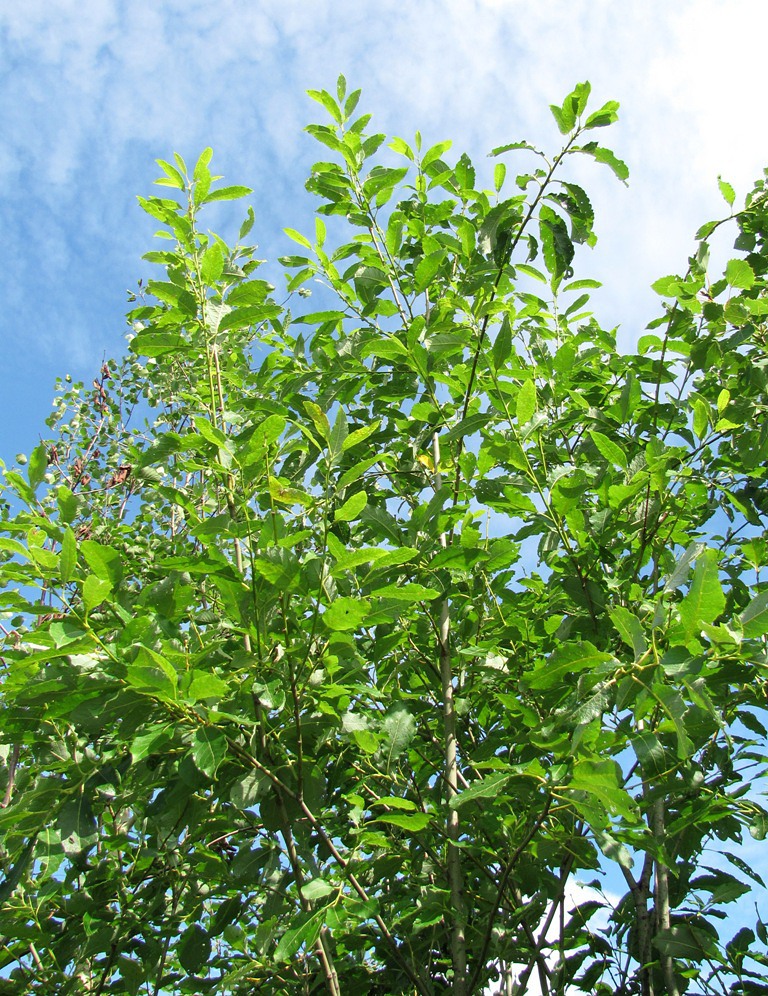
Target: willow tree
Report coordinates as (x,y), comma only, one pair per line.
(338,644)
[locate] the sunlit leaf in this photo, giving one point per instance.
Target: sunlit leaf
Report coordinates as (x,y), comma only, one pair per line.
(346,613)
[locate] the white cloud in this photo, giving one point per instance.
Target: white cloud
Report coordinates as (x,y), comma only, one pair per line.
(709,79)
(93,90)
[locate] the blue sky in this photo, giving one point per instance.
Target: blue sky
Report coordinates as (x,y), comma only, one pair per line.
(92,92)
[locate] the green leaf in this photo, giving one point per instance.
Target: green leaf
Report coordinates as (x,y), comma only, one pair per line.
(358,436)
(247,791)
(212,264)
(226,194)
(607,115)
(402,148)
(150,740)
(729,195)
(513,146)
(326,100)
(284,494)
(565,117)
(209,750)
(346,613)
(38,465)
(68,503)
(630,629)
(338,435)
(650,753)
(319,419)
(202,164)
(207,686)
(754,619)
(526,402)
(103,560)
(607,448)
(700,417)
(608,158)
(250,293)
(683,566)
(744,867)
(433,154)
(675,707)
(68,555)
(758,826)
(484,788)
(396,802)
(174,295)
(495,230)
(666,286)
(399,729)
(317,889)
(298,237)
(351,508)
(684,940)
(247,225)
(739,274)
(414,822)
(556,244)
(347,560)
(95,591)
(304,934)
(158,344)
(409,592)
(15,875)
(705,599)
(381,181)
(502,346)
(426,270)
(151,674)
(194,949)
(566,660)
(173,177)
(244,317)
(603,780)
(613,849)
(579,97)
(386,347)
(320,318)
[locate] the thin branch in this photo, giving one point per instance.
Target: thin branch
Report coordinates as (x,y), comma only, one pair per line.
(661,894)
(453,831)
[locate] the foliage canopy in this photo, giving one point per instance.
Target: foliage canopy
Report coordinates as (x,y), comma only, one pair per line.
(393,619)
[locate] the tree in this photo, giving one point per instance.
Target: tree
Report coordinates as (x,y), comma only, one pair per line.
(339,643)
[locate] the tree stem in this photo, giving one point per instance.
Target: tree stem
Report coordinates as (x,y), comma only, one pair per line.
(661,889)
(455,874)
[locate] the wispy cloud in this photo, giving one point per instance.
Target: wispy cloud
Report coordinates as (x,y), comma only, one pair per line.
(91,92)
